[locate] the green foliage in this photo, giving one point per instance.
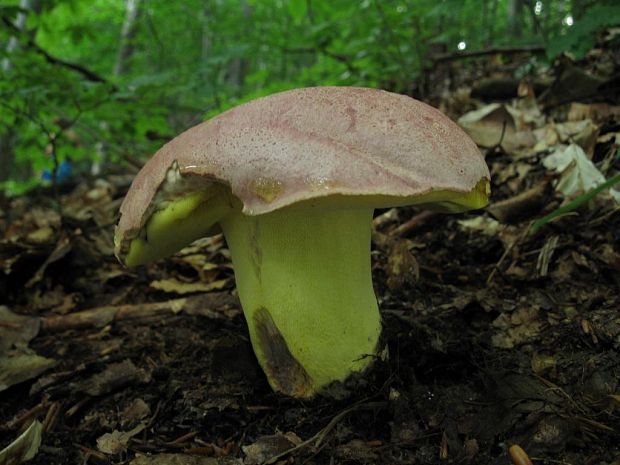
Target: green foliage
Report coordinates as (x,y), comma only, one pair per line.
(14,188)
(575,203)
(580,38)
(61,96)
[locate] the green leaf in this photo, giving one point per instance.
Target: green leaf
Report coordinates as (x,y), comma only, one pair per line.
(25,447)
(574,204)
(579,38)
(298,10)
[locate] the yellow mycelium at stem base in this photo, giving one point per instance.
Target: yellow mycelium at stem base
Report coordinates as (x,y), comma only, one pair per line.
(304,280)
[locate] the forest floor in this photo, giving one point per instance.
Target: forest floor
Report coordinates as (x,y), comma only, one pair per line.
(498,336)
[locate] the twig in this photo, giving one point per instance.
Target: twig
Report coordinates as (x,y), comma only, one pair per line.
(51,137)
(22,421)
(546,459)
(30,43)
(92,453)
(505,254)
(322,48)
(605,216)
(412,223)
(77,406)
(488,51)
(316,440)
(182,439)
(206,304)
(151,421)
(51,418)
(574,204)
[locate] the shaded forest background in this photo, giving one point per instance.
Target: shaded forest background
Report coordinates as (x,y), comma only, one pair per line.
(502,326)
(105,81)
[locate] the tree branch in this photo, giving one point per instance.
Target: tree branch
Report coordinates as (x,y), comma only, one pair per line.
(31,44)
(488,51)
(345,60)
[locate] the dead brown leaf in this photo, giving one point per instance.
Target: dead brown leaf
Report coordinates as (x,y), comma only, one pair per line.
(16,330)
(497,124)
(516,328)
(266,447)
(175,286)
(115,376)
(116,442)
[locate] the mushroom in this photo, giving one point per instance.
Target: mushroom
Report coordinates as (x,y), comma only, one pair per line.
(293,179)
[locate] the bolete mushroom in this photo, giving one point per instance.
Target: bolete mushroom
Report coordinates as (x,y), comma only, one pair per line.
(293,179)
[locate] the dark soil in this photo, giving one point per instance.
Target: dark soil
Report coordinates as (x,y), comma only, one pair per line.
(504,345)
(476,364)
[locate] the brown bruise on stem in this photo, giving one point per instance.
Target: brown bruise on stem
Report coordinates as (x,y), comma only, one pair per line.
(284,372)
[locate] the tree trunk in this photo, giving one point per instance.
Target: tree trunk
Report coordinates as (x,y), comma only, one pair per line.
(7,137)
(579,7)
(484,13)
(515,18)
(6,154)
(121,66)
(492,22)
(238,67)
(206,41)
(127,35)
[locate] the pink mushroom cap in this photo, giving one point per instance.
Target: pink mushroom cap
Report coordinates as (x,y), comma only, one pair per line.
(344,145)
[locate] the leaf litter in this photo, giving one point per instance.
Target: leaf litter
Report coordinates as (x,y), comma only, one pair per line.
(503,342)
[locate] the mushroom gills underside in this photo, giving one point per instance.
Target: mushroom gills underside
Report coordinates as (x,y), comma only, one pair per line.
(177,222)
(304,279)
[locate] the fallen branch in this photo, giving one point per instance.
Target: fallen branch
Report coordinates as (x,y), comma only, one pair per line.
(508,250)
(521,205)
(315,441)
(488,51)
(415,222)
(211,305)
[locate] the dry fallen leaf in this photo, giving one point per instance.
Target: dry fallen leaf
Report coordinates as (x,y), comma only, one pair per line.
(172,285)
(183,459)
(402,266)
(116,442)
(595,111)
(18,367)
(494,124)
(266,447)
(356,451)
(40,236)
(63,247)
(521,206)
(136,411)
(483,224)
(16,330)
(115,376)
(584,133)
(24,448)
(516,328)
(577,173)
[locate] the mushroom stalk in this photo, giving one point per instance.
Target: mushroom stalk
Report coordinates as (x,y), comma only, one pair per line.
(307,166)
(305,284)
